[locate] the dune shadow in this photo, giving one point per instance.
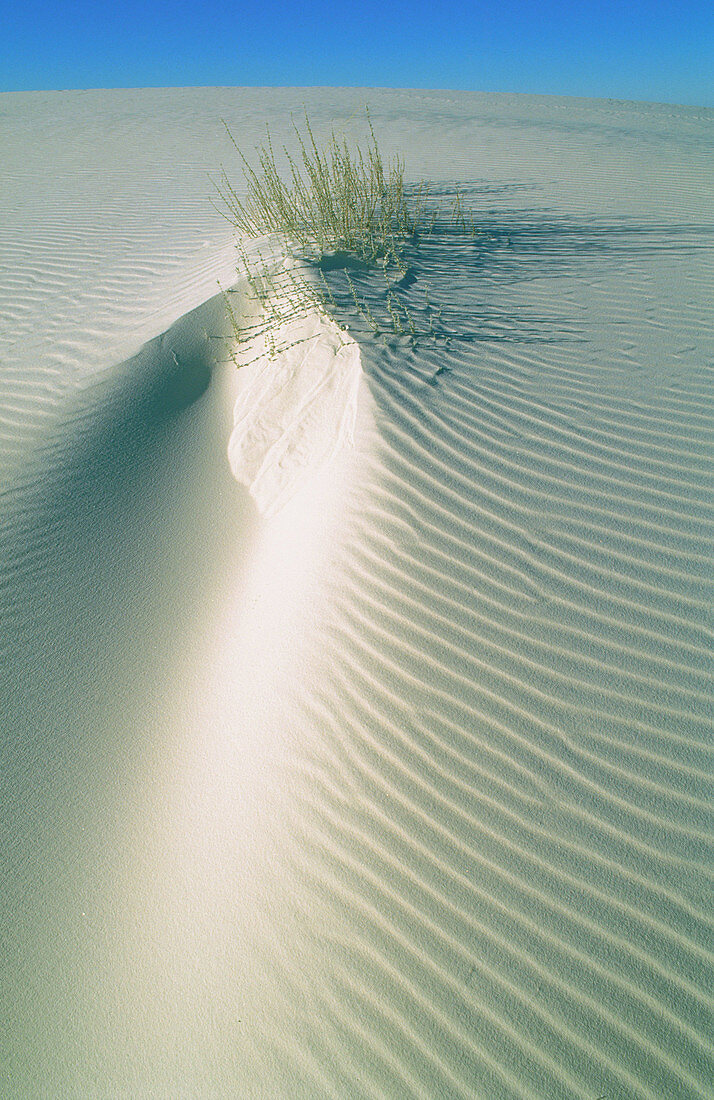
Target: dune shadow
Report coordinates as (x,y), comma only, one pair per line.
(114,554)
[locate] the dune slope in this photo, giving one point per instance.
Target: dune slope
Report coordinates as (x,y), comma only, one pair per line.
(403,789)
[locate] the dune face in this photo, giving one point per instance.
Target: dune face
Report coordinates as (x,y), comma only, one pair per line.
(389,774)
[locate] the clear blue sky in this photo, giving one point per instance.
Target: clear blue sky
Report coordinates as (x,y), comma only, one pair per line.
(657,50)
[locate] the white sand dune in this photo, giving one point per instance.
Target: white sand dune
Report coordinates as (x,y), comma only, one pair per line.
(379,770)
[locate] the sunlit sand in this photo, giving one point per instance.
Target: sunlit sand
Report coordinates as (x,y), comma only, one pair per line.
(355,706)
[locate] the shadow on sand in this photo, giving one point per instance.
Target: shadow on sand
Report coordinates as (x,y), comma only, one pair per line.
(114,552)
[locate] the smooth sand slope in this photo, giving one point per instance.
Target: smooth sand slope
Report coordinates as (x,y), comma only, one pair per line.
(379,770)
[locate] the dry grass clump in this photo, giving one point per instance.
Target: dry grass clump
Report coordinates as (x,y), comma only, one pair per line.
(336,200)
(331,206)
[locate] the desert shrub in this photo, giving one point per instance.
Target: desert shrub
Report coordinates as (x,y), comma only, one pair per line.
(335,200)
(331,206)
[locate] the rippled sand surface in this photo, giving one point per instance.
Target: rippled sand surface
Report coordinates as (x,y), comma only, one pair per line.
(405,790)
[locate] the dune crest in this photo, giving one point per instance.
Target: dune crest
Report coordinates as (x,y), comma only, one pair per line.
(295,411)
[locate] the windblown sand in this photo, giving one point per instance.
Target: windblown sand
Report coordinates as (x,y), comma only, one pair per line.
(370,769)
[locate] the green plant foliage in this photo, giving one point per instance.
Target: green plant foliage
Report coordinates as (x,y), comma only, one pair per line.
(336,200)
(278,295)
(341,209)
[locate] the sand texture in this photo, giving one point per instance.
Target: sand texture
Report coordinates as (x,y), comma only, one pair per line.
(356,707)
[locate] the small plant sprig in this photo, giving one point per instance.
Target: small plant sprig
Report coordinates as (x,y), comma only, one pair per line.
(279,298)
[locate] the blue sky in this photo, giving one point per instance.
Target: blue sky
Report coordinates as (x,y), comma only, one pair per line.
(653,50)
